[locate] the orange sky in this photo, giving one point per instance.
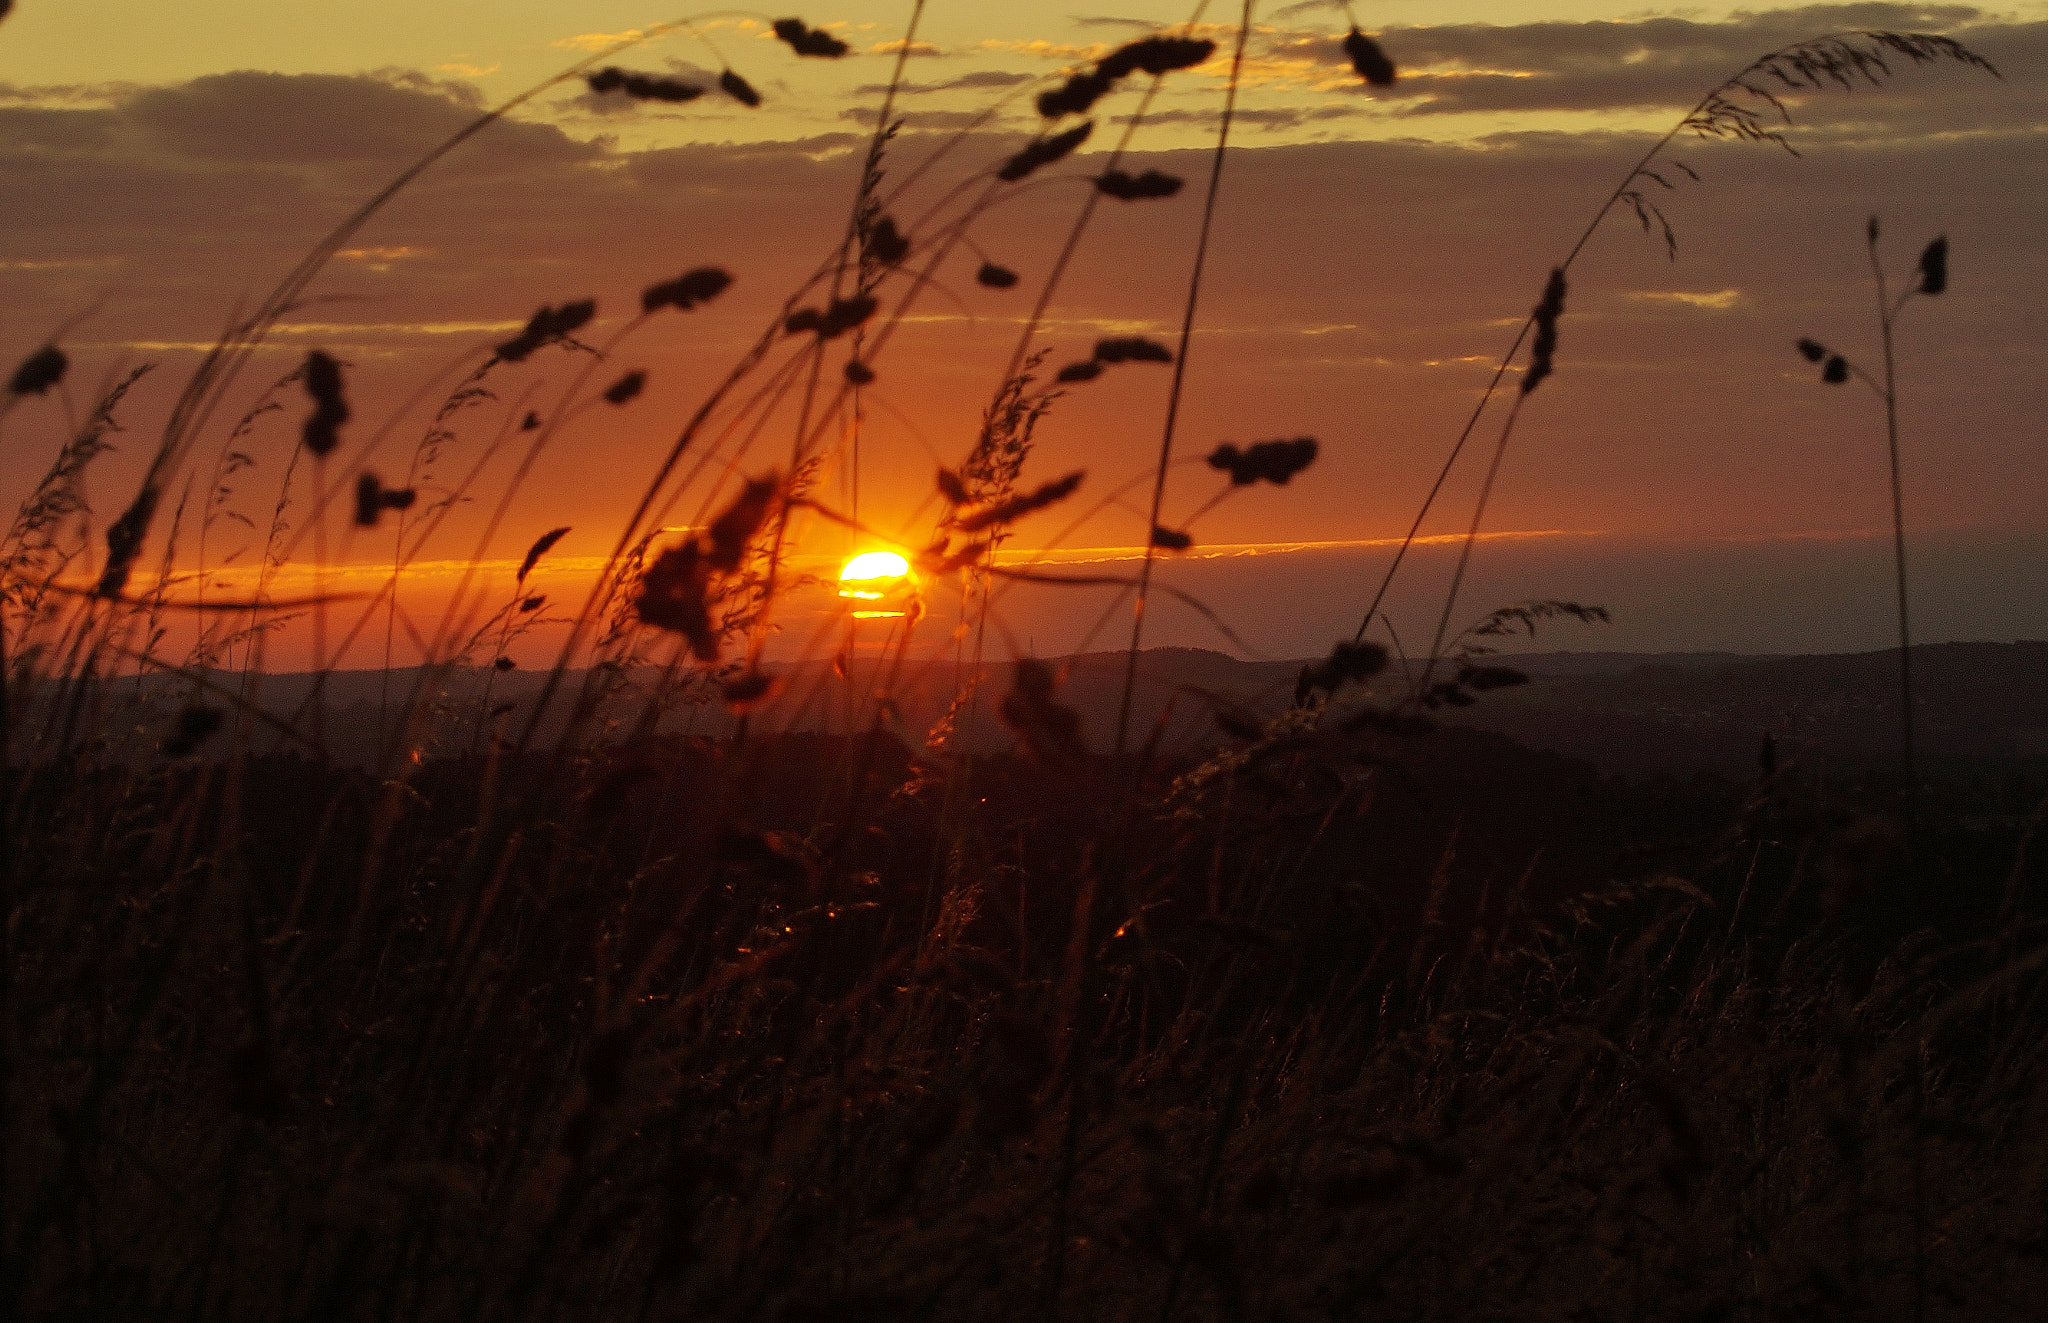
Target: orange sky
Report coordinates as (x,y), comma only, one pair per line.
(1370,257)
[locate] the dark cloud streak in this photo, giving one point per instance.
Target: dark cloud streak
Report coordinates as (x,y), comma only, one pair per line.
(1655,62)
(980,80)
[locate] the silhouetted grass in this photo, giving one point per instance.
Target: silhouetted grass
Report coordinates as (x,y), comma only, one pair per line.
(553,1012)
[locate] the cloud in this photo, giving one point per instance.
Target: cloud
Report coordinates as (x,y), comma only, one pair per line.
(1047,50)
(1268,118)
(1103,21)
(597,41)
(1658,62)
(1355,291)
(381,259)
(1301,7)
(940,121)
(979,80)
(896,47)
(316,119)
(67,96)
(395,328)
(1718,300)
(58,263)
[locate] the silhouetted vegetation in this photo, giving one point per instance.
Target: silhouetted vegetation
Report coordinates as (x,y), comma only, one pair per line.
(617,991)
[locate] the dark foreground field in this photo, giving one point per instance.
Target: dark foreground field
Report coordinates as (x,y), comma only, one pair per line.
(802,1028)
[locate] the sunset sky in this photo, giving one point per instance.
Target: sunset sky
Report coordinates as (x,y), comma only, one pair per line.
(163,165)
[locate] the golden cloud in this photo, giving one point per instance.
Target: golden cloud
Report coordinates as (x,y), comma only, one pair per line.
(1719,300)
(596,41)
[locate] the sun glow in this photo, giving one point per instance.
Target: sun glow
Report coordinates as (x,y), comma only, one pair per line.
(871,576)
(871,573)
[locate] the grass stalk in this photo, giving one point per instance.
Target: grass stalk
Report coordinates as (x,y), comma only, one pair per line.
(1887,314)
(1180,367)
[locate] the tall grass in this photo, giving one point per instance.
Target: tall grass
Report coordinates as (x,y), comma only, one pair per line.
(1930,280)
(569,1015)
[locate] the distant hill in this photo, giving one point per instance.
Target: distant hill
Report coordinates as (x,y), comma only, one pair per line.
(1981,706)
(1636,713)
(1976,703)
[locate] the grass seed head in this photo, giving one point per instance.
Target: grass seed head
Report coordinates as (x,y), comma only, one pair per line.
(323,378)
(1274,461)
(1157,56)
(730,532)
(859,373)
(1346,663)
(38,372)
(540,547)
(1134,349)
(1171,539)
(1074,97)
(1044,152)
(626,387)
(322,431)
(1547,313)
(885,243)
(641,86)
(738,88)
(1836,372)
(1074,373)
(685,291)
(1153,55)
(546,326)
(1813,351)
(1368,59)
(124,540)
(950,487)
(1003,512)
(995,277)
(1132,188)
(845,314)
(672,597)
(373,498)
(1934,266)
(810,41)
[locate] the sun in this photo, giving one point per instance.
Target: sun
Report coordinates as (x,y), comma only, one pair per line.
(872,576)
(871,573)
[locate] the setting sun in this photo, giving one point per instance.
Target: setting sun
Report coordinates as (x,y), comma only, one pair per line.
(870,573)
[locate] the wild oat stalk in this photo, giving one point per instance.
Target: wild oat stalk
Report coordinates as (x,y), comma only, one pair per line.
(1837,369)
(1180,367)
